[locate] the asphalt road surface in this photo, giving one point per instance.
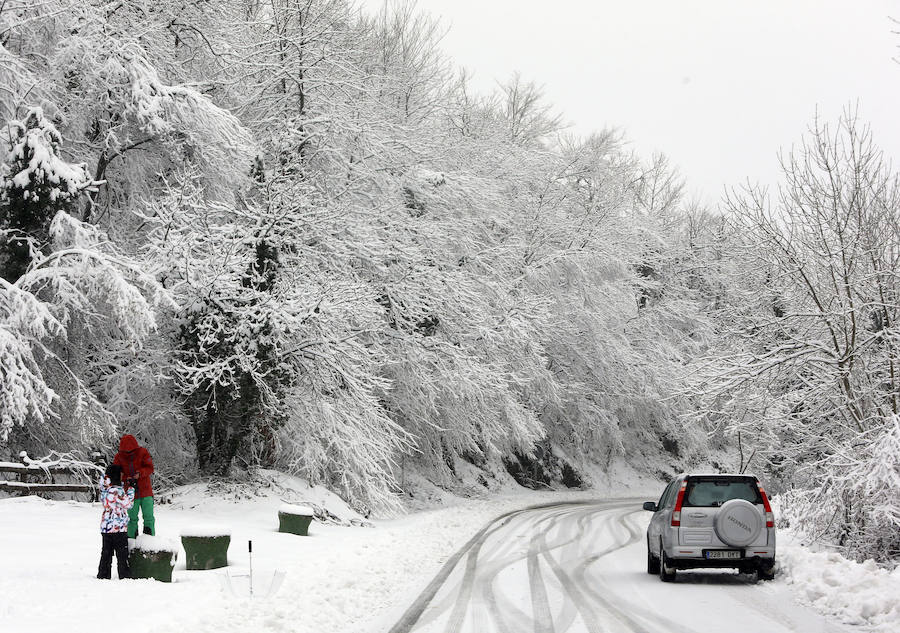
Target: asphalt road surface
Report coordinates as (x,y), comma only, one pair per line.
(581,568)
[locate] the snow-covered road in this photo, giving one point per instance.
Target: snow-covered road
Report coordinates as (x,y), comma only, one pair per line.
(580,567)
(569,565)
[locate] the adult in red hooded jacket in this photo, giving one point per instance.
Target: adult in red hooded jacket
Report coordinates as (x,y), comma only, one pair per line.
(137,466)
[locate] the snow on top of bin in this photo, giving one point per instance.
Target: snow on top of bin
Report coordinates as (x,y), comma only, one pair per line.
(149,543)
(207,530)
(288,508)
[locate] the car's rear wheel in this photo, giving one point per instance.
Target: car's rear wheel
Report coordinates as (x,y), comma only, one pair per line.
(766,571)
(652,561)
(666,573)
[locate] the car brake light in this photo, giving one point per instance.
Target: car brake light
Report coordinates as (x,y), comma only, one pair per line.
(770,518)
(676,514)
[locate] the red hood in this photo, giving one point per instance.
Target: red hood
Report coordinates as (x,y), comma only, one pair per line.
(128,444)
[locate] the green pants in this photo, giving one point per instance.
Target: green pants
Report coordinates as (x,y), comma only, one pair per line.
(145,505)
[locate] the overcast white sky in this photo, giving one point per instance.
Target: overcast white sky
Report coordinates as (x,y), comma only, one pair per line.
(718,85)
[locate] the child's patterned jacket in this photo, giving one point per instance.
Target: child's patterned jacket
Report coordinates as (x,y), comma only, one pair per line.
(116,503)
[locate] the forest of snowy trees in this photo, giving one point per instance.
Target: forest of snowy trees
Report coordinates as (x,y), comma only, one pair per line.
(285,233)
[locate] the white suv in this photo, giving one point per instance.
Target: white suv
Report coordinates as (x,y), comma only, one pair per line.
(711,521)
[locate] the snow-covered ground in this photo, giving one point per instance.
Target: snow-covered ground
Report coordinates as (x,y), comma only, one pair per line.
(340,579)
(851,592)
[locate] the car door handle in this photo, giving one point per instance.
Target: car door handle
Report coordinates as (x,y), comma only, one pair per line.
(696,515)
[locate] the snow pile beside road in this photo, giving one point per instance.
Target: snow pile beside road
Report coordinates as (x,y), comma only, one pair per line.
(855,593)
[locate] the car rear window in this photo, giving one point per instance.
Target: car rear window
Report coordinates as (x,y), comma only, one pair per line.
(714,491)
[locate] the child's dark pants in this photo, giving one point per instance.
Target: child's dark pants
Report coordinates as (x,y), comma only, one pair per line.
(114,542)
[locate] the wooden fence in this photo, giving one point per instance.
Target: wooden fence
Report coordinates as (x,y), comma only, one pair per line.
(33,479)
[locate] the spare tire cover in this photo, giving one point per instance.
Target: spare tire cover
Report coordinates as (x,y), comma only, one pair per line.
(738,523)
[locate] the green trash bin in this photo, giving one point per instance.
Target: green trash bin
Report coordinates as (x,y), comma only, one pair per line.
(205,548)
(152,557)
(295,519)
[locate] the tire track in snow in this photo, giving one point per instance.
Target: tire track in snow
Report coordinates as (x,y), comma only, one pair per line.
(540,603)
(573,593)
(475,575)
(572,605)
(572,583)
(571,530)
(572,522)
(615,608)
(436,608)
(411,616)
(549,569)
(503,611)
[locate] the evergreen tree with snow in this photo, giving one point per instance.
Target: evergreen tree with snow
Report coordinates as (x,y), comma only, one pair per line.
(35,183)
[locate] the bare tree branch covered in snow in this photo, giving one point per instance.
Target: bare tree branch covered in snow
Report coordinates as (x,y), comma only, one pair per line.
(818,352)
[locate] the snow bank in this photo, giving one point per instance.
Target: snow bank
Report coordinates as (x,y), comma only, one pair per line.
(206,530)
(855,593)
(288,508)
(270,489)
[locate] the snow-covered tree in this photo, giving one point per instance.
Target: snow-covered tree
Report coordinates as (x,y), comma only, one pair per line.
(365,263)
(35,184)
(812,375)
(68,294)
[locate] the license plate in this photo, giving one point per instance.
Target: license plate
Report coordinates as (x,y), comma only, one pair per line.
(723,553)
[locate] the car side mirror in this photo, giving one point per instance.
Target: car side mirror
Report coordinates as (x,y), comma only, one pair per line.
(650,505)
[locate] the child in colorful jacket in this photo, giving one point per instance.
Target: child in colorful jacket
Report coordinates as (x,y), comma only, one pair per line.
(116,502)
